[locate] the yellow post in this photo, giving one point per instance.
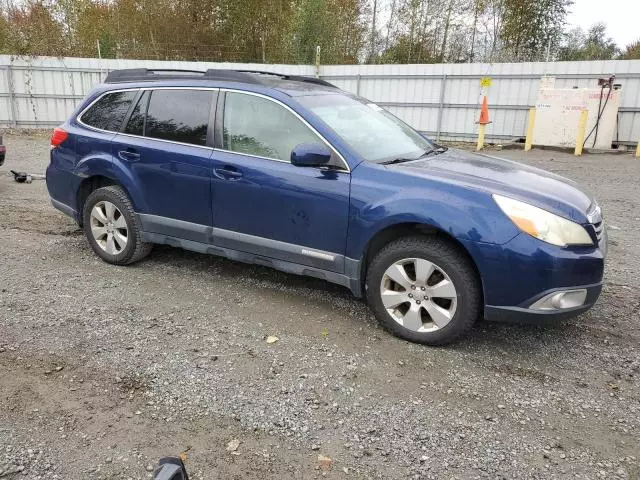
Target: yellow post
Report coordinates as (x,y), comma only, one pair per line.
(530,126)
(480,145)
(638,151)
(582,127)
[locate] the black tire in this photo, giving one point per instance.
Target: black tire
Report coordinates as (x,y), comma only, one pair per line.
(135,248)
(449,258)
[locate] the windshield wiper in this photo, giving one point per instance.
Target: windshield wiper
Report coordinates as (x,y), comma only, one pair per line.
(435,151)
(432,151)
(398,160)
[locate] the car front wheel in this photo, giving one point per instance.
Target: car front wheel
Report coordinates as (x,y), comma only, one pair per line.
(424,289)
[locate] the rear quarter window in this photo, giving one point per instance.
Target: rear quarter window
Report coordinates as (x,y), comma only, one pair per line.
(109,111)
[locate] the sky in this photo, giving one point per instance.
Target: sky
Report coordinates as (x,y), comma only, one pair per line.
(621,17)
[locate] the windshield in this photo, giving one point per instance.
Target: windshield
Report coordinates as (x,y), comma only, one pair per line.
(370,130)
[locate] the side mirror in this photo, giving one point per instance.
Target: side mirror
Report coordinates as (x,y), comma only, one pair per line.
(170,468)
(310,155)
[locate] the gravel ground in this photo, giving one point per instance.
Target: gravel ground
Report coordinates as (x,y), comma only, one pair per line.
(104,369)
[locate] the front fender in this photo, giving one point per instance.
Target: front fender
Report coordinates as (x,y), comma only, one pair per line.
(466,214)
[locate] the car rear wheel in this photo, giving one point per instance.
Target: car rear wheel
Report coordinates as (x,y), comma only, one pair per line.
(424,289)
(111,226)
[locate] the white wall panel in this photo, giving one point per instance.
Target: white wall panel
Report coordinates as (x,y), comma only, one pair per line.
(46,90)
(514,89)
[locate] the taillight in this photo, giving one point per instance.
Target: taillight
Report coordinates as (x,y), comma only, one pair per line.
(58,137)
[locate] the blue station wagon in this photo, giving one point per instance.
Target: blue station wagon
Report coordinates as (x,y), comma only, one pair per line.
(296,174)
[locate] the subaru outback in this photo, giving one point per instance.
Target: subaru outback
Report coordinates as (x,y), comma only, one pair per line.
(293,173)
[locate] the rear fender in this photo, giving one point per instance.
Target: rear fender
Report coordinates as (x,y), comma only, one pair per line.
(106,166)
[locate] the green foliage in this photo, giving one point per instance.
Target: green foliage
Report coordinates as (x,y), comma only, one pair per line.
(592,45)
(632,52)
(337,26)
(288,31)
(530,27)
(32,27)
(281,31)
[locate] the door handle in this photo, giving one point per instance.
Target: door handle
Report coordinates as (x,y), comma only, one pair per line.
(129,155)
(227,174)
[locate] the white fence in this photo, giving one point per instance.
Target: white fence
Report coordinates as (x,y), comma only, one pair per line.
(442,100)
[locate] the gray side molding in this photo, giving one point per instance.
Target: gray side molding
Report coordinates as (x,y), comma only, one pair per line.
(243,242)
(285,266)
(287,257)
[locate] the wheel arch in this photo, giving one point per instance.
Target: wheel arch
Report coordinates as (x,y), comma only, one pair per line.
(91,184)
(399,230)
(101,171)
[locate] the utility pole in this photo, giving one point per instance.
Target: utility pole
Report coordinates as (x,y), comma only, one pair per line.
(318,61)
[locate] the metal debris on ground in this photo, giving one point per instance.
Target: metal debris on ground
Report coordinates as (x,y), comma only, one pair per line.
(24,177)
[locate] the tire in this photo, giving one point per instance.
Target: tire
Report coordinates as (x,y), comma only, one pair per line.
(429,311)
(112,228)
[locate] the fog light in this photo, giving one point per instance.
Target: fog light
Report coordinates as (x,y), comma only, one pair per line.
(561,300)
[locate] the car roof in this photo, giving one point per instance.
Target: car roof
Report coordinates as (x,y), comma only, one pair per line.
(292,85)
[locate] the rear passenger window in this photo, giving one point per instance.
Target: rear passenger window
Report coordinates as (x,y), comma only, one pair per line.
(179,115)
(108,112)
(135,126)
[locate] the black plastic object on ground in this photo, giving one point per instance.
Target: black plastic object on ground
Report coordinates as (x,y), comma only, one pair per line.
(170,468)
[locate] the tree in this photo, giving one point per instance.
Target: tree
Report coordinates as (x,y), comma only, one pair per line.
(4,35)
(338,26)
(32,30)
(593,45)
(530,27)
(632,51)
(288,31)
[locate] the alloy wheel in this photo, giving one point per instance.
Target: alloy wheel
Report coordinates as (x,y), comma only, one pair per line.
(418,294)
(109,227)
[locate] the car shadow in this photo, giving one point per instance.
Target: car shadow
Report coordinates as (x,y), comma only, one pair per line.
(233,270)
(485,336)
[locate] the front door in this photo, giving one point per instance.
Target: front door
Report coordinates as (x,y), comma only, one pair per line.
(264,205)
(168,155)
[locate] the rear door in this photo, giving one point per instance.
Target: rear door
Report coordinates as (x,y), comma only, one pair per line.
(264,205)
(166,147)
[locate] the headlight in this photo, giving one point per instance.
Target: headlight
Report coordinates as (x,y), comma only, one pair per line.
(543,225)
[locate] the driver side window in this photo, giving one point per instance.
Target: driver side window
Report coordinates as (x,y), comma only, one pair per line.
(257,126)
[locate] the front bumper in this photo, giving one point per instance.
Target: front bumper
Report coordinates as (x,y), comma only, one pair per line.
(527,315)
(524,270)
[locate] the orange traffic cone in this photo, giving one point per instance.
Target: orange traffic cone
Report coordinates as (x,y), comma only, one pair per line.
(484,121)
(484,112)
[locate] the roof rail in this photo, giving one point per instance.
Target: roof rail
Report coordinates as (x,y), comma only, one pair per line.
(293,78)
(244,76)
(150,75)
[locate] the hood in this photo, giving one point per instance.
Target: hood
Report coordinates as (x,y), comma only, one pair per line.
(543,189)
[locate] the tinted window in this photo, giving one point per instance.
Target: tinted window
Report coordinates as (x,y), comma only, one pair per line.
(257,126)
(108,112)
(135,126)
(179,115)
